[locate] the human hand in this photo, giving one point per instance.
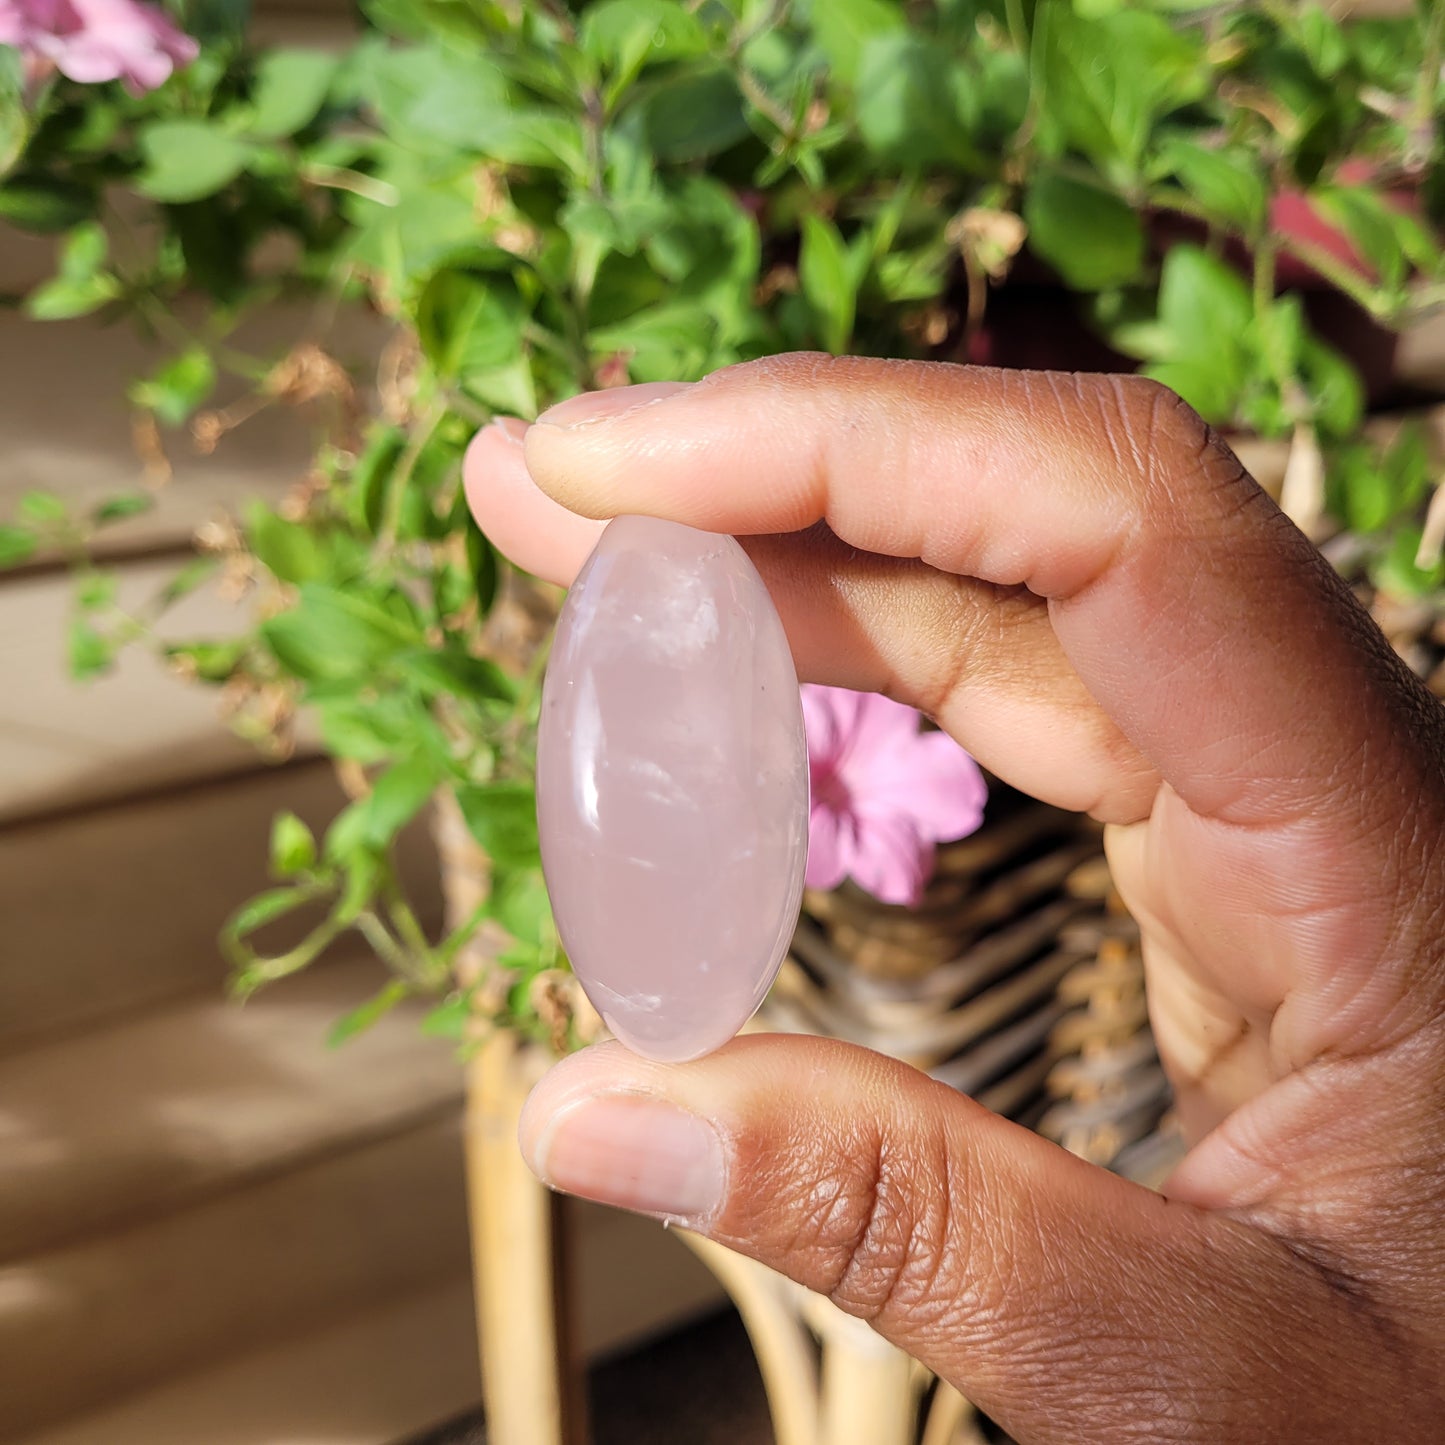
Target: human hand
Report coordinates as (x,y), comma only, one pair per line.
(1075,579)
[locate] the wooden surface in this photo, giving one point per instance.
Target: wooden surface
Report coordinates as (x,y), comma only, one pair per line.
(533,1391)
(206,1214)
(115,909)
(366,1377)
(133,1306)
(65,744)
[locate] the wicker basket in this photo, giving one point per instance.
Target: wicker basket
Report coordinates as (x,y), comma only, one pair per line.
(1017,980)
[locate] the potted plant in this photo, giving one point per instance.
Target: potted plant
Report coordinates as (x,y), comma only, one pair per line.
(540,199)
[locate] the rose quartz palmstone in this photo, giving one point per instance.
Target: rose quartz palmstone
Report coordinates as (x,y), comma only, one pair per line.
(672,786)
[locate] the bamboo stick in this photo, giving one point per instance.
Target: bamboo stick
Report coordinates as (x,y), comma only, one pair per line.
(532,1389)
(781,1342)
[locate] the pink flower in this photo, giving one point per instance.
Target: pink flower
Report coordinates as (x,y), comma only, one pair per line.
(884,793)
(97,40)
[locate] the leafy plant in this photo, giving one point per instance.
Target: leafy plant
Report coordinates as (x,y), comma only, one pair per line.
(545,198)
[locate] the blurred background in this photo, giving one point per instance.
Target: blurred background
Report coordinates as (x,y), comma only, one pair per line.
(214,1229)
(251,1225)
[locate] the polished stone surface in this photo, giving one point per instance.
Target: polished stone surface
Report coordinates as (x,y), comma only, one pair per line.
(672,786)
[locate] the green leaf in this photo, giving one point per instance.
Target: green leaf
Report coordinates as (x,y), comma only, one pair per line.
(1359,489)
(1397,573)
(1336,393)
(212,661)
(1104,81)
(1371,226)
(444,100)
(1322,41)
(843,28)
(63,299)
(449,1019)
(626,35)
(288,550)
(396,797)
(293,846)
(371,479)
(178,388)
(1212,393)
(502,817)
(1373,486)
(1283,334)
(469,322)
(510,390)
(187,160)
(45,203)
(84,252)
(185,581)
(520,904)
(915,105)
(829,279)
(481,561)
(1091,237)
(452,670)
(695,115)
(346,833)
(452,584)
(17,544)
(368,1014)
(291,87)
(43,509)
(90,654)
(668,342)
(1410,465)
(1229,185)
(117,509)
(346,732)
(264,908)
(95,590)
(218,22)
(335,636)
(1205,305)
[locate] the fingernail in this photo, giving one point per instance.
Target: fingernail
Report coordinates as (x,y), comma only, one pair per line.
(512,428)
(633,1152)
(590,406)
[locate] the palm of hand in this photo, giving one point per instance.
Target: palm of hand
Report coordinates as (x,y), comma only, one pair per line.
(1080,584)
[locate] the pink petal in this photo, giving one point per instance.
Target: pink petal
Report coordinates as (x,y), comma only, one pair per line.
(831,842)
(827,721)
(930,780)
(879,726)
(23,21)
(179,46)
(145,72)
(892,862)
(84,60)
(99,40)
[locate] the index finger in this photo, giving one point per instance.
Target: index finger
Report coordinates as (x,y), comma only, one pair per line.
(1203,623)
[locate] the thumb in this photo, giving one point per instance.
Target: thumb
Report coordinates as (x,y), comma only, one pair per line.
(1065,1301)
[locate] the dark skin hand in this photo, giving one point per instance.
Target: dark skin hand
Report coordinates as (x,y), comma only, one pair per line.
(1077,580)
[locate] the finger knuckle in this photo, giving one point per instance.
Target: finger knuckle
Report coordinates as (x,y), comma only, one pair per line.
(893,1249)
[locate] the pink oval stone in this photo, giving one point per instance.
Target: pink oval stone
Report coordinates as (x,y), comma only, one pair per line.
(672,786)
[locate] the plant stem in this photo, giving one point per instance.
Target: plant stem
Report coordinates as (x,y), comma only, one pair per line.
(763,103)
(594,120)
(404,920)
(1427,83)
(773,14)
(401,477)
(391,953)
(1340,276)
(1264,263)
(339,178)
(255,971)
